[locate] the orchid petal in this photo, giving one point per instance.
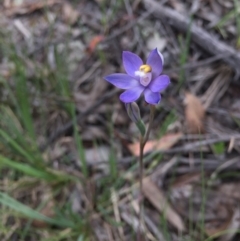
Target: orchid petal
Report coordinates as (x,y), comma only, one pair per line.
(155,60)
(159,84)
(122,81)
(131,94)
(161,56)
(151,97)
(131,62)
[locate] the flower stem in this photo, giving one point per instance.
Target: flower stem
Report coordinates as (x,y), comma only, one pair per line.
(152,112)
(143,141)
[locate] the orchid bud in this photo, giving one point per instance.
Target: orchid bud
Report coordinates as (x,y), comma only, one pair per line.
(134,114)
(133,111)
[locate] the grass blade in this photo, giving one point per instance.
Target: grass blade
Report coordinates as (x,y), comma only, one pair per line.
(28,170)
(30,213)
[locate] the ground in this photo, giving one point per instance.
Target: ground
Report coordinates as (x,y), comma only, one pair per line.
(69,151)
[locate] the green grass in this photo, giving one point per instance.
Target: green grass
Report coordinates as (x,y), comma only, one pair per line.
(185,47)
(30,213)
(220,25)
(234,13)
(24,169)
(20,157)
(237,16)
(218,148)
(107,18)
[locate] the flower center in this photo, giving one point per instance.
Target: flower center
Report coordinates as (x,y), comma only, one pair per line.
(145,68)
(145,74)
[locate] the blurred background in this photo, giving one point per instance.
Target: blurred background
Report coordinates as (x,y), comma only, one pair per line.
(68,150)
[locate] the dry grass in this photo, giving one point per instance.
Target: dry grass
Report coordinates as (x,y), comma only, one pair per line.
(68,150)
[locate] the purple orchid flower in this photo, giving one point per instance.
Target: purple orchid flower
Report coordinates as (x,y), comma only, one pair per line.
(141,78)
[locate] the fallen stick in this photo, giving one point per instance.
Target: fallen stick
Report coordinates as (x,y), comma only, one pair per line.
(80,118)
(205,40)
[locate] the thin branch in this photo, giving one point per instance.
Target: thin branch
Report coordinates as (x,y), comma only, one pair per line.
(80,118)
(199,35)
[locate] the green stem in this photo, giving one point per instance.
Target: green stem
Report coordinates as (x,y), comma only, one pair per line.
(152,112)
(143,141)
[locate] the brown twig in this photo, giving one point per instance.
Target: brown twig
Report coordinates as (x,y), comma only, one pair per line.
(127,27)
(80,118)
(199,63)
(191,147)
(143,141)
(199,35)
(111,37)
(198,144)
